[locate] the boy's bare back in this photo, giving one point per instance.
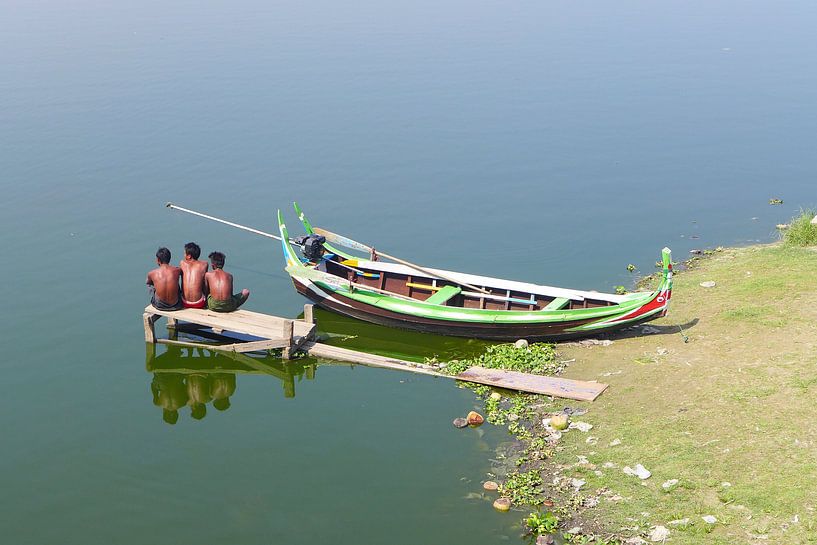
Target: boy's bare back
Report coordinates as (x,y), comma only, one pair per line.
(165,280)
(193,272)
(220,284)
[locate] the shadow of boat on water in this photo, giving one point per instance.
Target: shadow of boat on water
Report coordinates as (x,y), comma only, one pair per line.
(339,330)
(411,345)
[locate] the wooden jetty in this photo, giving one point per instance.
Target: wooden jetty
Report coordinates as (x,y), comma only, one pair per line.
(273,332)
(291,336)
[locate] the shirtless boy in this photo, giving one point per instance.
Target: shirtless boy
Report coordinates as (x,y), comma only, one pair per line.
(219,285)
(193,272)
(164,283)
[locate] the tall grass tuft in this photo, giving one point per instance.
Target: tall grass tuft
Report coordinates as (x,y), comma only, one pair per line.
(801,232)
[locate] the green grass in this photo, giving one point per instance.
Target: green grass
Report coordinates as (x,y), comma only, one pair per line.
(735,405)
(801,231)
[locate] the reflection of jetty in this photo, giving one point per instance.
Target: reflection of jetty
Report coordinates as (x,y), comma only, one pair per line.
(207,362)
(266,333)
(196,378)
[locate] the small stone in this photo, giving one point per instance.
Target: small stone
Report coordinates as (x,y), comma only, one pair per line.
(495,396)
(581,426)
(659,533)
(814,220)
(662,351)
(546,539)
(559,422)
(490,486)
(782,226)
(709,519)
(635,541)
(521,343)
(591,440)
(615,442)
(669,484)
(616,498)
(475,419)
(575,530)
(513,417)
(640,471)
(460,422)
(708,284)
(577,483)
(502,504)
(679,522)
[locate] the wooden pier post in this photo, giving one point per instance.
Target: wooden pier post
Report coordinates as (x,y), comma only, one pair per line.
(289,328)
(150,332)
(309,317)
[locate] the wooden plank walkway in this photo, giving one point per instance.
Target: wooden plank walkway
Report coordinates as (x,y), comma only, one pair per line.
(513,380)
(298,335)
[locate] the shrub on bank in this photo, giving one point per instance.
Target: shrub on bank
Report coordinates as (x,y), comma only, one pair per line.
(801,232)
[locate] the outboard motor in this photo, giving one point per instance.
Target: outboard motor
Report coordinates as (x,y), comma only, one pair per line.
(311,246)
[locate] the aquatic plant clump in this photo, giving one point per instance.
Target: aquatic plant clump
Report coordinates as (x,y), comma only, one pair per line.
(524,488)
(540,523)
(801,232)
(539,359)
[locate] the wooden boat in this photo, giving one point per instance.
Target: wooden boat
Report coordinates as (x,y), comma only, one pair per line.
(449,303)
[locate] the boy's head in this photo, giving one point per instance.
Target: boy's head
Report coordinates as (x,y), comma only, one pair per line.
(163,255)
(217,260)
(192,249)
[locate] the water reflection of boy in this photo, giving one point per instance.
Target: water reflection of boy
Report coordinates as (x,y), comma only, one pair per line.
(169,393)
(222,386)
(198,390)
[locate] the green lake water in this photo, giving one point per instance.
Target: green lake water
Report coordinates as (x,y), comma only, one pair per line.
(552,142)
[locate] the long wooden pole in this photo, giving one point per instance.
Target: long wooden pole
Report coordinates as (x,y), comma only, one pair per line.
(225,222)
(250,229)
(332,237)
(339,239)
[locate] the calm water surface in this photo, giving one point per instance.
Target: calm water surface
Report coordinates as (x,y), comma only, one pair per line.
(545,141)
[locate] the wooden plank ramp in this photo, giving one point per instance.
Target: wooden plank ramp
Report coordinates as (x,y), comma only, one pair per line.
(320,350)
(513,380)
(299,336)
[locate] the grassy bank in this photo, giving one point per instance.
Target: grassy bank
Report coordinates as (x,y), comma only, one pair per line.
(723,416)
(730,414)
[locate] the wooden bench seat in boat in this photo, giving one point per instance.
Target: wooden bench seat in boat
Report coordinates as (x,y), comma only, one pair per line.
(557,304)
(443,295)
